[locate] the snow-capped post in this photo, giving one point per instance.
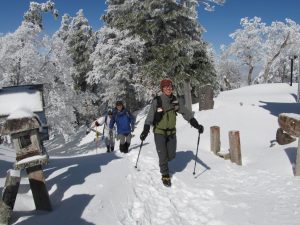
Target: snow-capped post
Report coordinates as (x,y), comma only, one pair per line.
(215,143)
(235,147)
(206,96)
(290,123)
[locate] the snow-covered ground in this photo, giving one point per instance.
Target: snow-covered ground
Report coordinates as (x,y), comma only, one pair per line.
(89,186)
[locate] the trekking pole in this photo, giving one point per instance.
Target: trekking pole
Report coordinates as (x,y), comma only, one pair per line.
(139,154)
(196,153)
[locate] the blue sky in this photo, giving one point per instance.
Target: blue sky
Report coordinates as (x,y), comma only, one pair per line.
(219,24)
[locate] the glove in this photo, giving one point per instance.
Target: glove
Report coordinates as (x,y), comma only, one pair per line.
(97,124)
(145,132)
(196,125)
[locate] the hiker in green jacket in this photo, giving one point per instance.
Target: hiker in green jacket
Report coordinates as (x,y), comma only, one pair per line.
(162,115)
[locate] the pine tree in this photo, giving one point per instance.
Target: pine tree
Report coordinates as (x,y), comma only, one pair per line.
(80,43)
(116,61)
(172,36)
(78,35)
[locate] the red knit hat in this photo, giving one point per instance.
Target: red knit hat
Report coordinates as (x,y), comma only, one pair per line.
(164,83)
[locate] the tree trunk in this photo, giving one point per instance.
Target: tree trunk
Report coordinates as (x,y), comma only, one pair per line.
(250,74)
(269,63)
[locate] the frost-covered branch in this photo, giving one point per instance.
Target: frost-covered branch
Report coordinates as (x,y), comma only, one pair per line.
(34,14)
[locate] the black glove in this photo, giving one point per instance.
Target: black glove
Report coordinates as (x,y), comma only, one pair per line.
(196,125)
(97,124)
(145,132)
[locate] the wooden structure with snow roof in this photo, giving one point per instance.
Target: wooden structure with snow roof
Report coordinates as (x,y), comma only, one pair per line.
(20,110)
(28,97)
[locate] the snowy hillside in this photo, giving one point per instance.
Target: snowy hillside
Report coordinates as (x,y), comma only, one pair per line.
(88,186)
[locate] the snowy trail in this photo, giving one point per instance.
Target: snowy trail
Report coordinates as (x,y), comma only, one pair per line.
(88,186)
(155,204)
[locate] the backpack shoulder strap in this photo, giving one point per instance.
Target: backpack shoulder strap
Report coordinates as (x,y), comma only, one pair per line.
(174,98)
(158,101)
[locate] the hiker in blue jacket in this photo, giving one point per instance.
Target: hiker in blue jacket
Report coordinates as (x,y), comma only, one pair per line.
(125,125)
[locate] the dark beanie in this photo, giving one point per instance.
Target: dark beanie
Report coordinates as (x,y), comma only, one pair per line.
(119,103)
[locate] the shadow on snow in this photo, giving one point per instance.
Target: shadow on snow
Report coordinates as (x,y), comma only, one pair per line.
(182,159)
(66,172)
(276,108)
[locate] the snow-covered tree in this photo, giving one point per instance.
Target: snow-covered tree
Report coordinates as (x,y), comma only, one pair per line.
(34,14)
(262,46)
(63,31)
(280,38)
(78,35)
(209,4)
(172,36)
(80,40)
(116,62)
(60,96)
(81,44)
(248,44)
(19,55)
(228,71)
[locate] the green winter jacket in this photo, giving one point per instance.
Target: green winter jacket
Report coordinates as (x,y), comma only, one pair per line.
(167,125)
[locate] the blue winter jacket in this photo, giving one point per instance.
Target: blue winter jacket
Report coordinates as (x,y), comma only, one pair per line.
(124,120)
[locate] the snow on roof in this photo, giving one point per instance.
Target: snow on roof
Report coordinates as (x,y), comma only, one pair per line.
(21,113)
(292,115)
(22,97)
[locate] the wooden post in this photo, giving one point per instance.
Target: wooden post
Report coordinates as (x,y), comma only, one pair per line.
(38,188)
(215,143)
(297,167)
(9,195)
(235,147)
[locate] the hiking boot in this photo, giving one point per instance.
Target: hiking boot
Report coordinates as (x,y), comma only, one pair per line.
(108,148)
(126,147)
(123,148)
(112,148)
(166,179)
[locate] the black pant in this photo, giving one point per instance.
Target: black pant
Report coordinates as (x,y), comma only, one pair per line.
(166,150)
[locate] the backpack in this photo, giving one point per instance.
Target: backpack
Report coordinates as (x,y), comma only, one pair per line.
(128,115)
(159,110)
